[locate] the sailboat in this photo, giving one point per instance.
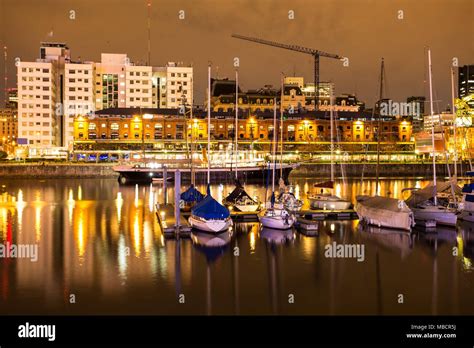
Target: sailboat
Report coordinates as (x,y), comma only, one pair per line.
(383,211)
(430,210)
(275,217)
(209,215)
(189,198)
(239,199)
(325,199)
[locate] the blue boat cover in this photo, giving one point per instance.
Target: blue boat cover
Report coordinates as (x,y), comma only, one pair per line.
(192,195)
(469,198)
(470,173)
(210,209)
(468,188)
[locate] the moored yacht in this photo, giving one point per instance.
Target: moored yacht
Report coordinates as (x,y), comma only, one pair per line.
(384,212)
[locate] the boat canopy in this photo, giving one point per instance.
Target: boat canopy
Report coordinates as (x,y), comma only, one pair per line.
(420,196)
(191,195)
(470,173)
(210,209)
(326,184)
(469,198)
(238,194)
(384,203)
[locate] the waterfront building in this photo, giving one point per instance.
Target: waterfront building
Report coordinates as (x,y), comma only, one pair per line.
(40,87)
(125,131)
(54,89)
(466,83)
(297,97)
(8,128)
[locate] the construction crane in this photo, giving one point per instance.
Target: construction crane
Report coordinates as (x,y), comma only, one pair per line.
(315,53)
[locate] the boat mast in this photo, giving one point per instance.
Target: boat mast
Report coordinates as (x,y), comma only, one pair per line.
(236,119)
(432,128)
(379,130)
(209,124)
(274,143)
(454,127)
(281,128)
(332,134)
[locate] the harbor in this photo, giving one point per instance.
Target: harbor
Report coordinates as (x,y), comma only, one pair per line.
(116,247)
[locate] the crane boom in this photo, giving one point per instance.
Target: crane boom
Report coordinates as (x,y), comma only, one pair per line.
(288,47)
(315,53)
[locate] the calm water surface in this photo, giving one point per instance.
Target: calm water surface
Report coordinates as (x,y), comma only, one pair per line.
(101,242)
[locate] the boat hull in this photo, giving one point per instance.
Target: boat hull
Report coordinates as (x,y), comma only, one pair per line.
(246,207)
(257,175)
(467,215)
(276,221)
(329,203)
(442,216)
(373,215)
(213,226)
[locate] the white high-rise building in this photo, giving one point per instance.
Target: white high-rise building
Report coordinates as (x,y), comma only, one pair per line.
(78,94)
(39,90)
(53,90)
(179,85)
(139,86)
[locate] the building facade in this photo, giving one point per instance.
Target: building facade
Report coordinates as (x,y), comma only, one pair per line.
(40,87)
(297,97)
(54,89)
(126,130)
(8,128)
(466,83)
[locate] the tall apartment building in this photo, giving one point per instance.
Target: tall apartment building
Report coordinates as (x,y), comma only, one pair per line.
(54,89)
(172,86)
(40,88)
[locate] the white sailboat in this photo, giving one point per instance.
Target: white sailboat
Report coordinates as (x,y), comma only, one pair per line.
(239,199)
(383,211)
(429,210)
(327,200)
(273,217)
(209,215)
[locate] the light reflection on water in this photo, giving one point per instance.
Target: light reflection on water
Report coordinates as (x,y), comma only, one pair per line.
(102,242)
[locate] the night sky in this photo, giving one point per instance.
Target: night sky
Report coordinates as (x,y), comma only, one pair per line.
(362,30)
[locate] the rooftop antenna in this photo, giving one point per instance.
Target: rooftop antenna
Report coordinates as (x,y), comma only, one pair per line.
(149,33)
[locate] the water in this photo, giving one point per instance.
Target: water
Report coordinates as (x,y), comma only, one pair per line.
(101,243)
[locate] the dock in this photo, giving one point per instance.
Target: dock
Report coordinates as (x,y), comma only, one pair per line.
(165,214)
(307,214)
(326,214)
(307,227)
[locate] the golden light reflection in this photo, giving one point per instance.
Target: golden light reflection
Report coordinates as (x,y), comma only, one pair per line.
(20,206)
(147,237)
(4,214)
(79,193)
(136,234)
(309,247)
(38,222)
(252,239)
(81,243)
(136,196)
(70,205)
(119,204)
(151,199)
(122,258)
